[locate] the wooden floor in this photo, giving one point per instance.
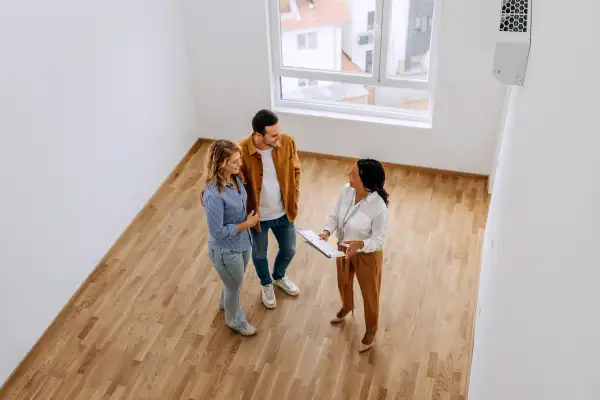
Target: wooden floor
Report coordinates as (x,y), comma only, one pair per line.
(147,324)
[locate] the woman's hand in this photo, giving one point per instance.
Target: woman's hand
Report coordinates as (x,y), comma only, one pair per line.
(324,235)
(353,247)
(252,219)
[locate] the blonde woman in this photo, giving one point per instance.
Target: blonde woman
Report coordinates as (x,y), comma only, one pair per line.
(224,199)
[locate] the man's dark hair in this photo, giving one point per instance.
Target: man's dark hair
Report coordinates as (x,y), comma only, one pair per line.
(262,119)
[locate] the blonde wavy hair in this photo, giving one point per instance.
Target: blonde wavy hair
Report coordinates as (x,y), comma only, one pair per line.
(218,155)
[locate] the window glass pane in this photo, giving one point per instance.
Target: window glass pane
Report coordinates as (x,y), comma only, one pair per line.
(327,35)
(371,20)
(410,38)
(368,62)
(301,41)
(412,100)
(312,40)
(365,39)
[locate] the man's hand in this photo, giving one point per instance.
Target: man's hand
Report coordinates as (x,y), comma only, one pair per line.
(353,247)
(253,218)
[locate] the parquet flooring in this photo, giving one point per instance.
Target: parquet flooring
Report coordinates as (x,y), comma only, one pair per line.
(146,325)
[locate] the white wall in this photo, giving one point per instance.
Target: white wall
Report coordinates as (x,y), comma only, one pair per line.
(537,333)
(232,82)
(506,122)
(359,11)
(95,111)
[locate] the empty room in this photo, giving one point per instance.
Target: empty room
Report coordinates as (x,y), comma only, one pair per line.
(299,199)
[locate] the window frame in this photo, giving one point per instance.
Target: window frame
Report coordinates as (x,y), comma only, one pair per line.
(379,77)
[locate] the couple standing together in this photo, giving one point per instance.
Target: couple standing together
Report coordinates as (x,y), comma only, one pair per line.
(254,187)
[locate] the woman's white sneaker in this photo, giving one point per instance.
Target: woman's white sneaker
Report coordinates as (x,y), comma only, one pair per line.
(268,296)
(287,286)
(248,330)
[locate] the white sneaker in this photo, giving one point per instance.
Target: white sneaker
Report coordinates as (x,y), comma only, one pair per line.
(287,286)
(248,330)
(268,296)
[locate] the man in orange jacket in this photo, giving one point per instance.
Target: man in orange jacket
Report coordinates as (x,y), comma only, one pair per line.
(271,168)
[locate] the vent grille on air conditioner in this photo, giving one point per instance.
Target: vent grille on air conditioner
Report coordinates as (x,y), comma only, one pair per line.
(514,16)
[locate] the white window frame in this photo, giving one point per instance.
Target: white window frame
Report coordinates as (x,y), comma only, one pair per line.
(379,77)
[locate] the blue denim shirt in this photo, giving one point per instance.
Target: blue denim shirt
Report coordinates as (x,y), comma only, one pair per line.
(224,212)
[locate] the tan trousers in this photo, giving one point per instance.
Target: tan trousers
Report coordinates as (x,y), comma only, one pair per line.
(367,268)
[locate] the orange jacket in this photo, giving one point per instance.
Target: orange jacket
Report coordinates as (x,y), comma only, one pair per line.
(287,165)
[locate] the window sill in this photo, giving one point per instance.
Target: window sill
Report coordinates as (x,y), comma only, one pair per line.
(352,117)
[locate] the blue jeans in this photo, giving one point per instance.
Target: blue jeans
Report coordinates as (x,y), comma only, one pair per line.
(230,266)
(285,233)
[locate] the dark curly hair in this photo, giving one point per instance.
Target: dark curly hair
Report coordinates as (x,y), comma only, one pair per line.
(372,175)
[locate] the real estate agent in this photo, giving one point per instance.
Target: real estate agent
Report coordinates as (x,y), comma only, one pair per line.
(359,220)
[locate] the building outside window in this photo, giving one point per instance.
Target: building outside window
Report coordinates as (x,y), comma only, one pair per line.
(363,57)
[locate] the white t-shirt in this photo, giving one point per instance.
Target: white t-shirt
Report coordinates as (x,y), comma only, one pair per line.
(271,200)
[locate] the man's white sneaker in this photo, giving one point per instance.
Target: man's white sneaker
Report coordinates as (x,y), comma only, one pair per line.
(268,296)
(287,286)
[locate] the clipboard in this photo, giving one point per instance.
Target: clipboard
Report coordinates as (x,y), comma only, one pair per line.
(324,247)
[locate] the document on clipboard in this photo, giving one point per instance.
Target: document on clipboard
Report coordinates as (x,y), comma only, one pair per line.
(324,247)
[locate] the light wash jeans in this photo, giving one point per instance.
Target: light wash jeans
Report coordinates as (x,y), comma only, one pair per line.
(230,266)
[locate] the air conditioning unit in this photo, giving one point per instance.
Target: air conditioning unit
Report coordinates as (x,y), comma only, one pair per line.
(513,42)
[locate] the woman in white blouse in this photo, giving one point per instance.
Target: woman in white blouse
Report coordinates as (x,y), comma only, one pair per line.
(359,220)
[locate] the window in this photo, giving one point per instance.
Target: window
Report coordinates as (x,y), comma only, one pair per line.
(307,82)
(369,62)
(307,41)
(312,40)
(375,63)
(419,24)
(301,42)
(371,20)
(365,39)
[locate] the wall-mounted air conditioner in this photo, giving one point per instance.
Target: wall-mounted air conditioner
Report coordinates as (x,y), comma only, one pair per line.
(513,42)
